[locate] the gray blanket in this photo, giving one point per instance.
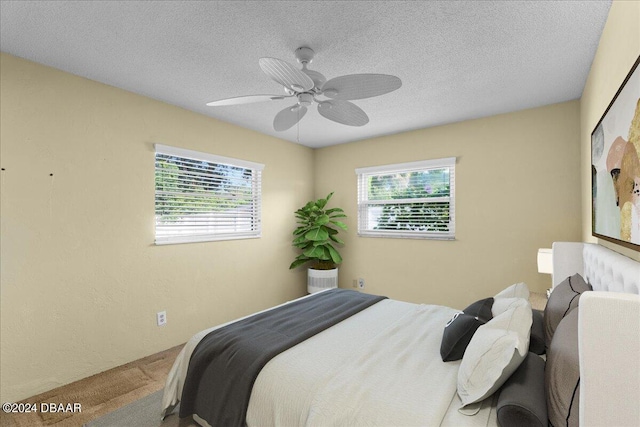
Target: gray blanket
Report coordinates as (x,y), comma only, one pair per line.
(227,361)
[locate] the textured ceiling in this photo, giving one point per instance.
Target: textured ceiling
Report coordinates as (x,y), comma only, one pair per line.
(457,60)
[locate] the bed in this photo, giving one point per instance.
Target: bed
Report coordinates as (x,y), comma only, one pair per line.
(383,365)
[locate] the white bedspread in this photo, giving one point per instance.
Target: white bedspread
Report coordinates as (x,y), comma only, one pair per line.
(177,374)
(379,367)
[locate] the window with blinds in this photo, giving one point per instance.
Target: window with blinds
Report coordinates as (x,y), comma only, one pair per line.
(203,197)
(410,200)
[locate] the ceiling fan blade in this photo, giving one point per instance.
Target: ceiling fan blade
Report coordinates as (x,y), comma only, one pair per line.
(289,117)
(249,99)
(344,112)
(286,74)
(360,86)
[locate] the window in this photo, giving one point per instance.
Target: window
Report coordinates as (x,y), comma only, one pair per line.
(411,200)
(202,197)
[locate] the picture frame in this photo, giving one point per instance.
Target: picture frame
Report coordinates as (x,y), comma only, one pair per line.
(615,166)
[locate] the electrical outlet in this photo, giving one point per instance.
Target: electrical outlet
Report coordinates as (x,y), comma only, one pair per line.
(161,317)
(361,283)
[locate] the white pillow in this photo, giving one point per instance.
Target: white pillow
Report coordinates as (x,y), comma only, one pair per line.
(517,290)
(500,305)
(496,350)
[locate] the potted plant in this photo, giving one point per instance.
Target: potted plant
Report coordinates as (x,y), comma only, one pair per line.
(315,236)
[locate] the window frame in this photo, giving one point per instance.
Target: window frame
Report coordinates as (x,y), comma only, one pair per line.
(256,197)
(419,166)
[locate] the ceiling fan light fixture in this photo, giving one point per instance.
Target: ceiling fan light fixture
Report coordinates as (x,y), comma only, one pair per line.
(305,99)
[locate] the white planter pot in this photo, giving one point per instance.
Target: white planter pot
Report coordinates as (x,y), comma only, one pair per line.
(319,280)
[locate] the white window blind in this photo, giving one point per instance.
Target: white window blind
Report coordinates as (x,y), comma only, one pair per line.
(410,200)
(202,197)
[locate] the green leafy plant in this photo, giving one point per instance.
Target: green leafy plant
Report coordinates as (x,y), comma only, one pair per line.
(316,234)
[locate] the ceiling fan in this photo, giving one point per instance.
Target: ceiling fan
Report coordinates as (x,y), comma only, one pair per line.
(309,86)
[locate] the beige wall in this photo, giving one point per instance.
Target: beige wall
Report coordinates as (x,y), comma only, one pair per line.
(618,49)
(81,280)
(517,190)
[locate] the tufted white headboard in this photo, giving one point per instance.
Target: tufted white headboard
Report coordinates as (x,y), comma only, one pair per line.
(608,332)
(604,269)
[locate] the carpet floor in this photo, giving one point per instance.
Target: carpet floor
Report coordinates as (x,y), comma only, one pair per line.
(99,394)
(142,413)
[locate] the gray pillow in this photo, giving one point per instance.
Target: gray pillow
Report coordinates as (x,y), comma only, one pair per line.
(562,373)
(460,329)
(563,299)
(536,342)
(522,401)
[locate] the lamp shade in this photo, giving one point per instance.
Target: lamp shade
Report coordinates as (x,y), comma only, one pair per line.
(545,261)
